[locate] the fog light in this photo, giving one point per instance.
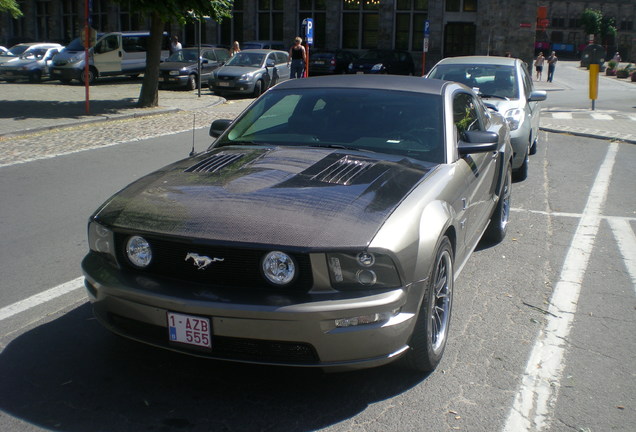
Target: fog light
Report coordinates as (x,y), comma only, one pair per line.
(279,268)
(366,277)
(138,251)
(366,319)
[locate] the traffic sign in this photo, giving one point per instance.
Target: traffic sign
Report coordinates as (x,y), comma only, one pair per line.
(427,28)
(309,30)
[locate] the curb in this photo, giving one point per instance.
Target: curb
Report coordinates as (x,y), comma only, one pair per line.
(585,134)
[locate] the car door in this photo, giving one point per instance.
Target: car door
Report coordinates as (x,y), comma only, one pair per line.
(108,54)
(284,71)
(468,116)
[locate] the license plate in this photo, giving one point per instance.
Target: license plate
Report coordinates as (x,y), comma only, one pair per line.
(319,62)
(190,330)
(160,79)
(359,73)
(223,84)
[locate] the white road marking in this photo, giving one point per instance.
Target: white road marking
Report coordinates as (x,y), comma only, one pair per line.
(598,116)
(627,244)
(43,297)
(539,386)
(562,115)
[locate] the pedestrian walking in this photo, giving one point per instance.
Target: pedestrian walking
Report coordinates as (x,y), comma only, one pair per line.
(298,57)
(538,65)
(175,45)
(236,47)
(552,61)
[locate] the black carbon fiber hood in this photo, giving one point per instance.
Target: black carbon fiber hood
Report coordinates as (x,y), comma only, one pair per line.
(298,197)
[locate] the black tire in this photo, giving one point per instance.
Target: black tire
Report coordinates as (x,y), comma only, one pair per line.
(91,76)
(192,82)
(258,88)
(521,173)
(498,225)
(35,77)
(428,340)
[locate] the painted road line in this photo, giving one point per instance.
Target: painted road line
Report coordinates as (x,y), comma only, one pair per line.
(562,115)
(43,297)
(598,116)
(627,244)
(539,386)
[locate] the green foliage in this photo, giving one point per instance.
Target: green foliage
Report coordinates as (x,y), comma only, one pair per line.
(182,10)
(612,64)
(12,7)
(591,21)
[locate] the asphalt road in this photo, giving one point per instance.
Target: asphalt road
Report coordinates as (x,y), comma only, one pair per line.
(543,324)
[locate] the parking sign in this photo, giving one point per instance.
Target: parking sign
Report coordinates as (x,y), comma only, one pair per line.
(309,30)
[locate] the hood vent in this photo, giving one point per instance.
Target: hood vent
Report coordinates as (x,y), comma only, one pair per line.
(344,171)
(214,163)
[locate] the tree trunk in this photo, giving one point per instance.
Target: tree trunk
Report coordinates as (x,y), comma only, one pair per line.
(149,95)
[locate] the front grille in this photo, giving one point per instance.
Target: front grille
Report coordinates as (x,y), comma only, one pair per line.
(226,348)
(234,267)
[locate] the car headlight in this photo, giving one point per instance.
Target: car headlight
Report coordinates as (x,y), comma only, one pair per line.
(173,72)
(514,117)
(101,239)
(362,270)
(245,77)
(350,66)
(138,251)
(377,67)
(76,58)
(279,268)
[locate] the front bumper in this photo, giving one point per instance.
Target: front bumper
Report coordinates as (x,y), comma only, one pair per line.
(520,140)
(232,87)
(174,80)
(65,73)
(255,327)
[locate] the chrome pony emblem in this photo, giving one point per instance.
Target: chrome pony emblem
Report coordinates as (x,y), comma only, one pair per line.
(202,262)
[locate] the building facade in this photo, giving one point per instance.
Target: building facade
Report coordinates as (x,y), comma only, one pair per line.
(457,27)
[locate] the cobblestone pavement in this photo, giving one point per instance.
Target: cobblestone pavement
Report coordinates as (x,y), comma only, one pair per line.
(36,129)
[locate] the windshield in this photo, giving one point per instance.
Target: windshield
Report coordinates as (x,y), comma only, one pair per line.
(37,53)
(16,50)
(184,56)
(375,55)
(376,120)
(246,59)
(491,80)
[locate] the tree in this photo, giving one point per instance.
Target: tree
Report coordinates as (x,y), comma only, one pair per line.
(161,12)
(12,7)
(594,23)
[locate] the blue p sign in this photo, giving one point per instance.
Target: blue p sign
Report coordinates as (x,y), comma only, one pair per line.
(309,30)
(427,28)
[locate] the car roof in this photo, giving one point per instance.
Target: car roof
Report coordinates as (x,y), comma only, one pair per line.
(483,60)
(261,51)
(388,82)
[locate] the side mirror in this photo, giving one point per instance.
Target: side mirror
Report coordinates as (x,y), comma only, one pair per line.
(538,96)
(204,61)
(218,127)
(270,63)
(478,142)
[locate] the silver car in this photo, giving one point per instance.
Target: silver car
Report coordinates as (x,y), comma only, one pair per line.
(250,72)
(324,227)
(505,84)
(33,64)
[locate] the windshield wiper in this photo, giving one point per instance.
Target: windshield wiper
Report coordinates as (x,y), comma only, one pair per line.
(340,146)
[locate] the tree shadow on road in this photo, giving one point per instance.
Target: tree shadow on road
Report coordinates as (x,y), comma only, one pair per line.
(37,109)
(72,375)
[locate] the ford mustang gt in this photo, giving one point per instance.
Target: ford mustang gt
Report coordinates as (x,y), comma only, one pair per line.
(324,226)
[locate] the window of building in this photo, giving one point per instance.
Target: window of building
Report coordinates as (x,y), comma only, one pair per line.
(129,20)
(557,37)
(70,20)
(461,5)
(270,19)
(470,5)
(42,14)
(409,24)
(575,23)
(360,24)
(627,25)
(313,9)
(100,15)
(453,5)
(558,22)
(231,29)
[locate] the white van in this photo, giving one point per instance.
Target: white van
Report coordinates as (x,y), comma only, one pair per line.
(117,53)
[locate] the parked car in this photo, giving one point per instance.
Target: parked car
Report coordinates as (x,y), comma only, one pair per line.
(3,50)
(324,227)
(376,61)
(329,62)
(250,72)
(181,69)
(17,50)
(33,64)
(114,54)
(264,44)
(507,86)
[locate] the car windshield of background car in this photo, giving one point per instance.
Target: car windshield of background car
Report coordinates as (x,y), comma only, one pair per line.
(246,59)
(17,50)
(492,80)
(185,55)
(382,121)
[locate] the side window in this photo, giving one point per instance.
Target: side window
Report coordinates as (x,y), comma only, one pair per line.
(222,55)
(108,44)
(134,43)
(281,57)
(465,115)
(527,82)
(209,55)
